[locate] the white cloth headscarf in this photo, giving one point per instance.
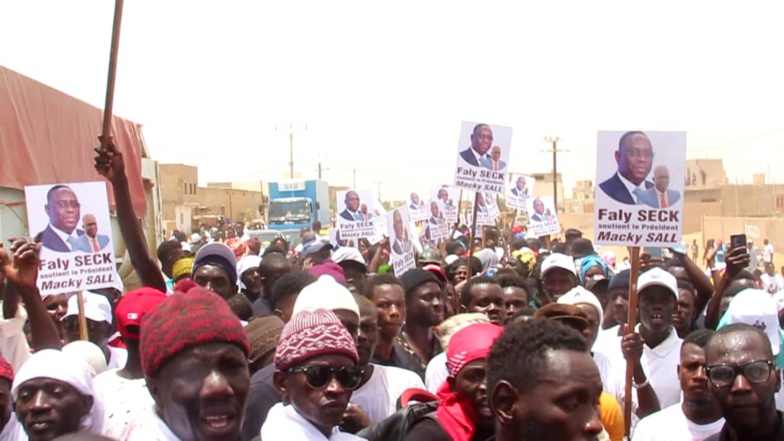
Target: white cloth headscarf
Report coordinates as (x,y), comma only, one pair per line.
(54,364)
(244,264)
(285,423)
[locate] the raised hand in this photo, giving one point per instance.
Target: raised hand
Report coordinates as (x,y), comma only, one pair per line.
(21,267)
(109,163)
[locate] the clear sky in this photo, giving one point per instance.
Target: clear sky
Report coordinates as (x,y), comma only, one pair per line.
(383,86)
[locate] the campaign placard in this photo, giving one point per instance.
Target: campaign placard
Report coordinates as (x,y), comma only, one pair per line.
(416,208)
(487,209)
(448,199)
(542,217)
(639,198)
(401,244)
(483,157)
(519,190)
(355,214)
(72,223)
(436,226)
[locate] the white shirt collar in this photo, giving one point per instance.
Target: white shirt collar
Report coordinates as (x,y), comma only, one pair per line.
(664,347)
(630,186)
(64,236)
(477,155)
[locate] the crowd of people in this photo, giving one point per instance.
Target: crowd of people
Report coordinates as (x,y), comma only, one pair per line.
(486,339)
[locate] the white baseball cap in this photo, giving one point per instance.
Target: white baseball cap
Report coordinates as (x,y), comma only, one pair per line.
(757,308)
(581,296)
(96,307)
(558,260)
(348,254)
(658,277)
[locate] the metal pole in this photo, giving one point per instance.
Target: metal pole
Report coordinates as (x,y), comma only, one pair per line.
(355,178)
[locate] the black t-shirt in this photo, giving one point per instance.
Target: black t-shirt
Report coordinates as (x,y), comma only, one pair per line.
(261,397)
(427,430)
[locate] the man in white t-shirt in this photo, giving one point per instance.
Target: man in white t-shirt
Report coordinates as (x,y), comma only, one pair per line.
(771,282)
(654,344)
(767,252)
(381,386)
(698,415)
(125,387)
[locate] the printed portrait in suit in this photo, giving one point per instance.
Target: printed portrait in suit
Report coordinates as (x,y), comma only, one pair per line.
(634,158)
(63,210)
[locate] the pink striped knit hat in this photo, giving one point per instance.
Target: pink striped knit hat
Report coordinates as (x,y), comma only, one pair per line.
(311,334)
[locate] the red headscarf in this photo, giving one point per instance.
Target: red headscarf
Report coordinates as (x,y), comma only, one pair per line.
(457,415)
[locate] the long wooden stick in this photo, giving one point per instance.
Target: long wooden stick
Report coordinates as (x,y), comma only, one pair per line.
(473,234)
(82,318)
(109,104)
(630,323)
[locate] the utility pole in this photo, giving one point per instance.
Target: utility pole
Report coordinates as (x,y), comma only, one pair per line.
(378,194)
(291,128)
(553,140)
(355,178)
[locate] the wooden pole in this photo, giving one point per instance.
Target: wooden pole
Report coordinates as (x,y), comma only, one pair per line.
(82,318)
(634,258)
(473,233)
(511,233)
(106,131)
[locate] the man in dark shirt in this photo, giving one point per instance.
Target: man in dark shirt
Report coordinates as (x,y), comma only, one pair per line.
(744,380)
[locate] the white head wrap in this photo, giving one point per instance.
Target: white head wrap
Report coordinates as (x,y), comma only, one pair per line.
(244,264)
(54,364)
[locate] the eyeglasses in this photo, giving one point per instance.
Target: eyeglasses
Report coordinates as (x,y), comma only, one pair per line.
(318,376)
(756,372)
(66,204)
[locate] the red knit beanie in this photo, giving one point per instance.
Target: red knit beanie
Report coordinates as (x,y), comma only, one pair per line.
(6,370)
(310,334)
(184,320)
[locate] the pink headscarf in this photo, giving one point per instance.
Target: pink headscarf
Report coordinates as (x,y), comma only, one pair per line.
(456,415)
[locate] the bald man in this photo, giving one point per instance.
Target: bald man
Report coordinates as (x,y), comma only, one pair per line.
(659,196)
(91,241)
(494,162)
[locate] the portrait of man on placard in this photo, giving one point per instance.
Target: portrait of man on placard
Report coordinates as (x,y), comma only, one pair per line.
(634,158)
(660,196)
(541,214)
(416,204)
(481,140)
(402,242)
(91,241)
(520,190)
(494,162)
(63,209)
(352,211)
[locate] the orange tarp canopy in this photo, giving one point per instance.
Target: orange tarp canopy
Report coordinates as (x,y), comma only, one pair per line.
(47,137)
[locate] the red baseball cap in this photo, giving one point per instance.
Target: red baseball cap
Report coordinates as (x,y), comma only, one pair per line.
(132,307)
(436,269)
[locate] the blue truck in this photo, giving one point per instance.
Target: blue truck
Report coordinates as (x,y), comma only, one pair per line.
(297,204)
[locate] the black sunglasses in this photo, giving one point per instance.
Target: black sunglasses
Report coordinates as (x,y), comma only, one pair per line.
(756,372)
(318,375)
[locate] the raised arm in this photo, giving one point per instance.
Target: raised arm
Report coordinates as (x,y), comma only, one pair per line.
(110,164)
(21,269)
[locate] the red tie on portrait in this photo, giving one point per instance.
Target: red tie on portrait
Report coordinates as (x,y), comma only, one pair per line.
(96,248)
(495,165)
(663,201)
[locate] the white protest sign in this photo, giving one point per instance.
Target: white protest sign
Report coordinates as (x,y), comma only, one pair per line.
(401,242)
(416,208)
(542,217)
(639,199)
(519,190)
(483,157)
(355,214)
(436,227)
(448,199)
(72,223)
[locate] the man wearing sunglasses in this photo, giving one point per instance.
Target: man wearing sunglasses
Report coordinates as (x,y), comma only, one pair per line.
(316,371)
(63,209)
(744,380)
